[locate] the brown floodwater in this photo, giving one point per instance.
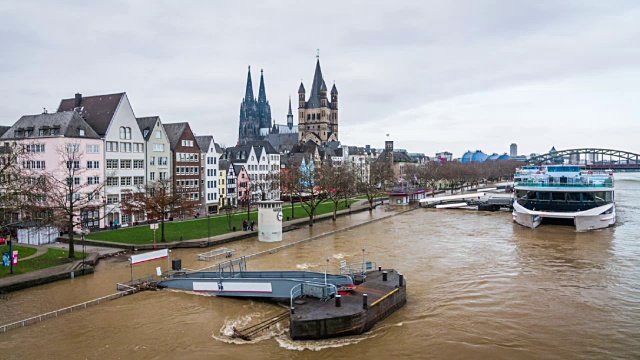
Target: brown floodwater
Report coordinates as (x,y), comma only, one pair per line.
(479,286)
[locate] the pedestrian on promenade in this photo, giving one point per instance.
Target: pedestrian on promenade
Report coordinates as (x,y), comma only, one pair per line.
(116,223)
(244,225)
(253,223)
(111,225)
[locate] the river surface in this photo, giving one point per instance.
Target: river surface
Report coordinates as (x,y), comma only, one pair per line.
(478,285)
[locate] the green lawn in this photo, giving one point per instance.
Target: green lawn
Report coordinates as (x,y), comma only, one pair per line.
(53,257)
(197,228)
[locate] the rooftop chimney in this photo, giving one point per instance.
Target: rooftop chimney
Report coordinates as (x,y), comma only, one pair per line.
(78,100)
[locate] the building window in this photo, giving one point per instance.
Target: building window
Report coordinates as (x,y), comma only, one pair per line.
(112,181)
(125,133)
(112,199)
(125,147)
(152,161)
(152,176)
(112,146)
(125,181)
(93,180)
(75,164)
(93,148)
(112,164)
(158,147)
(125,164)
(138,164)
(158,134)
(93,164)
(138,180)
(138,147)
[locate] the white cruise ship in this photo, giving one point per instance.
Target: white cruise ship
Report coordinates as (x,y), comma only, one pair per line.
(566,192)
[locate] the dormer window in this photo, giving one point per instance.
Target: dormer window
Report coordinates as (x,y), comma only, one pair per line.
(81,132)
(55,130)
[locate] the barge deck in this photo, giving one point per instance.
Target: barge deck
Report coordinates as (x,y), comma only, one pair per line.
(351,313)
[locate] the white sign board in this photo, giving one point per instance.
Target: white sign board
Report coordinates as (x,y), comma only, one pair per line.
(154,255)
(159,271)
(343,263)
(154,226)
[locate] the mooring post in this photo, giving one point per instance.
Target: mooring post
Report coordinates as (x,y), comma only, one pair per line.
(364,301)
(384,276)
(379,268)
(293,310)
(400,280)
(338,300)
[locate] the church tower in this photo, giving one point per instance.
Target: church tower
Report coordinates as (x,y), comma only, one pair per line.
(317,116)
(255,114)
(290,116)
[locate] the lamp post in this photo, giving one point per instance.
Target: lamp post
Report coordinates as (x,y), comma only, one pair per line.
(208,225)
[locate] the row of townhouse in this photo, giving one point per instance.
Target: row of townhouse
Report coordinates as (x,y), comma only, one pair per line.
(120,151)
(261,163)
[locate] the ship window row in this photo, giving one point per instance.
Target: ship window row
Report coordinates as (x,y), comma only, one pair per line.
(598,196)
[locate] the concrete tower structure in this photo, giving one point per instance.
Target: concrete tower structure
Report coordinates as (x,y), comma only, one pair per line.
(513,150)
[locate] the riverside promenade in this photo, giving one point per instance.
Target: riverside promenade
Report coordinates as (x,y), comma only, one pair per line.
(99,249)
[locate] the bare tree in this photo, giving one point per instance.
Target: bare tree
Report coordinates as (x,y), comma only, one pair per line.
(335,182)
(380,173)
(13,182)
(71,193)
(157,200)
(310,192)
(290,183)
(229,211)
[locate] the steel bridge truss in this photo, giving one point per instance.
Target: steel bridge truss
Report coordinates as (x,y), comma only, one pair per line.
(590,158)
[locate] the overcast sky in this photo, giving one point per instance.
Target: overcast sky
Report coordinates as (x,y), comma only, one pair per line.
(446,75)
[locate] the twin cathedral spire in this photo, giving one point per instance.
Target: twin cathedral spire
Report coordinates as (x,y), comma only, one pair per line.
(317,116)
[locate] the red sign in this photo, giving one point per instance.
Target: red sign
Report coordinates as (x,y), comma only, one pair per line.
(15,257)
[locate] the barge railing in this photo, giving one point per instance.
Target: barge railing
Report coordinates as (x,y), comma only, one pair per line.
(316,290)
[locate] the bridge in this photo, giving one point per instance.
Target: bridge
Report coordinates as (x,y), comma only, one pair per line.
(591,159)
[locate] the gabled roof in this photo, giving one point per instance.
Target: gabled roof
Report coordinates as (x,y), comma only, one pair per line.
(204,142)
(218,148)
(237,168)
(97,110)
(263,143)
(68,123)
(3,130)
(224,165)
(174,132)
(233,152)
(147,123)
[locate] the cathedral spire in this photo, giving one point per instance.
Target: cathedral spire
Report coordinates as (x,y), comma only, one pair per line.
(262,93)
(314,99)
(290,112)
(248,95)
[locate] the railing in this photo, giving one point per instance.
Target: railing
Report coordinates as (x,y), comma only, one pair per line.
(546,183)
(126,290)
(358,270)
(316,290)
(215,253)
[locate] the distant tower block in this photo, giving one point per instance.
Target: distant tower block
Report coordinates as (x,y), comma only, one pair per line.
(270,220)
(513,150)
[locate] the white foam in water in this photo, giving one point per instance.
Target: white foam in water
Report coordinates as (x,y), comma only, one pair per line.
(259,313)
(339,256)
(317,345)
(302,266)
